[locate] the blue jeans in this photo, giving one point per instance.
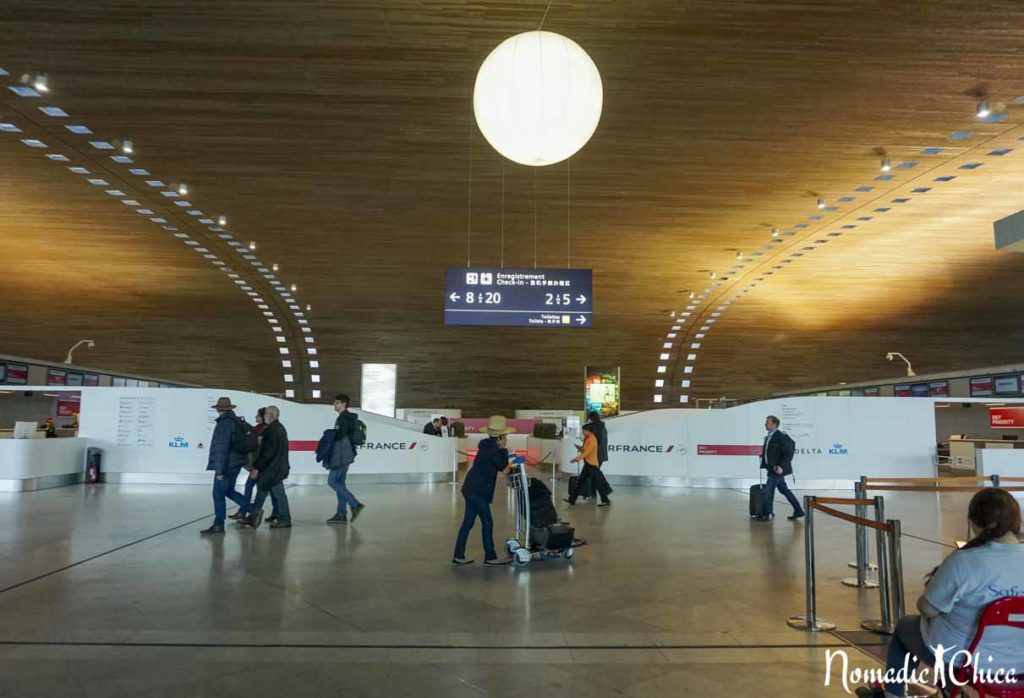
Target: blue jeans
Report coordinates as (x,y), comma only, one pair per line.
(336,479)
(778,482)
(247,508)
(224,490)
(280,499)
(476,506)
(906,641)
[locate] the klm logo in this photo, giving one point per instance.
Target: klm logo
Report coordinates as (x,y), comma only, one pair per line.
(837,450)
(177,442)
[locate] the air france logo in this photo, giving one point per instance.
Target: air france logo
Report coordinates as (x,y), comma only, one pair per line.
(177,442)
(837,450)
(679,449)
(395,446)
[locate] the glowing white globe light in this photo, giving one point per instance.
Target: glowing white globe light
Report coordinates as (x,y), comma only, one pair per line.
(538,98)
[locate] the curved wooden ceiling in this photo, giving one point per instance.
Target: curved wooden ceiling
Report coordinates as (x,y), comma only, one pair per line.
(337,136)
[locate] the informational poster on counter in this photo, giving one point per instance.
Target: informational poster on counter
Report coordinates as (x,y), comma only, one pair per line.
(136,421)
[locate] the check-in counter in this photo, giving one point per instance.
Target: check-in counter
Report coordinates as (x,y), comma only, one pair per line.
(980,456)
(37,464)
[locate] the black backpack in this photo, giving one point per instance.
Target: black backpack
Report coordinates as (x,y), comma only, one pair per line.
(245,439)
(358,437)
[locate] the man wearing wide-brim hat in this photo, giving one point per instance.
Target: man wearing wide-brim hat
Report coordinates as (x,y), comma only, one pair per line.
(478,490)
(226,463)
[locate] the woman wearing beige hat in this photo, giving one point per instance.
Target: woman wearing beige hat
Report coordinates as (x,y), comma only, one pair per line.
(478,490)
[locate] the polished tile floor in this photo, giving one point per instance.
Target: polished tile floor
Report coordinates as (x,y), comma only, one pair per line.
(109,590)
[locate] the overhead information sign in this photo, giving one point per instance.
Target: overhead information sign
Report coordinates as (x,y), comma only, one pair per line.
(518,297)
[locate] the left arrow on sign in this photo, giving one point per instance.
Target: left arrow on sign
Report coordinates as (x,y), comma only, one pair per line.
(455,297)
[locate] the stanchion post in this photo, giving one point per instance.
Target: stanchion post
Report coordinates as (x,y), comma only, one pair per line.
(861,581)
(810,621)
(884,624)
(896,570)
(995,481)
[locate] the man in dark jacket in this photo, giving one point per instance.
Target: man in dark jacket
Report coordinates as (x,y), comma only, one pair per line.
(225,461)
(271,469)
(433,427)
(601,432)
(777,459)
(478,491)
(343,455)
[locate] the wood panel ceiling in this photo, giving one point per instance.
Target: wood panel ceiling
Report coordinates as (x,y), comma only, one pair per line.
(337,135)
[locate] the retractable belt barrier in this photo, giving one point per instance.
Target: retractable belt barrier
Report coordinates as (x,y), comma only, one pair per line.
(890,556)
(934,484)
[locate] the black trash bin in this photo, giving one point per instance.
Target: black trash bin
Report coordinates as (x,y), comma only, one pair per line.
(93,465)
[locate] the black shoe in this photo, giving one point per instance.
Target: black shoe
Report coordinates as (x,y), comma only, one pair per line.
(605,504)
(272,519)
(870,692)
(237,515)
(762,518)
(356,512)
(278,523)
(211,530)
(569,502)
(254,520)
(795,517)
(337,519)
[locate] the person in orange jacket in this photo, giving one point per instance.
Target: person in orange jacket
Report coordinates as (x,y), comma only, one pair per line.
(591,472)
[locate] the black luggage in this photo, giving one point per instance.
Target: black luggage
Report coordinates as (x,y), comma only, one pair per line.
(542,509)
(557,536)
(756,500)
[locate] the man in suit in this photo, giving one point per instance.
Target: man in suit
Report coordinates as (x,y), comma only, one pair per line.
(777,460)
(433,427)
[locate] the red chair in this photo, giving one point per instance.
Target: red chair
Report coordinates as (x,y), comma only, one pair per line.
(997,613)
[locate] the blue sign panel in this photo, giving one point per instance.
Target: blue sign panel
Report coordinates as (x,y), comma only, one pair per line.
(518,297)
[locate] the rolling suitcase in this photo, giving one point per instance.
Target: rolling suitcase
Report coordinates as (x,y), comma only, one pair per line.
(756,500)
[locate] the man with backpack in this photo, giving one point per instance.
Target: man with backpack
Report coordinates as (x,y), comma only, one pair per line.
(777,459)
(349,432)
(228,455)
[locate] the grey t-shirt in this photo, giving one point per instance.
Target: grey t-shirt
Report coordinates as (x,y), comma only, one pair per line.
(967,582)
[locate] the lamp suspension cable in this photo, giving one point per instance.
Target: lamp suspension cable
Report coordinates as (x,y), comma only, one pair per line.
(546,10)
(535,217)
(568,213)
(469,206)
(502,213)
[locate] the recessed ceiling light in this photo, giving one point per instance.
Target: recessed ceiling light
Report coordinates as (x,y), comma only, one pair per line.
(886,164)
(183,188)
(983,110)
(222,220)
(821,204)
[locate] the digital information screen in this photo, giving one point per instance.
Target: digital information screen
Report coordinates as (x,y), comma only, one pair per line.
(518,297)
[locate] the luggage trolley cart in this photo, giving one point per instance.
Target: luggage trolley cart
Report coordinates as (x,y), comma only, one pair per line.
(522,548)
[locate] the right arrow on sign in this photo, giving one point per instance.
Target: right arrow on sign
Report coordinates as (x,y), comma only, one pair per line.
(581,299)
(582,320)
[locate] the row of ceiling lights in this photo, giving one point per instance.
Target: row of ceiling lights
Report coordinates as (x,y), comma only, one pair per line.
(41,83)
(983,110)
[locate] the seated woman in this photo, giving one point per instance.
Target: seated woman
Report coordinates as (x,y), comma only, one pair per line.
(989,567)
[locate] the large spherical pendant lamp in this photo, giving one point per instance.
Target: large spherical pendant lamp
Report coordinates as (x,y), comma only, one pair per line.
(538,98)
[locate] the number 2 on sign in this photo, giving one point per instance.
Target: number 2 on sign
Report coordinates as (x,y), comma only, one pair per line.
(557,299)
